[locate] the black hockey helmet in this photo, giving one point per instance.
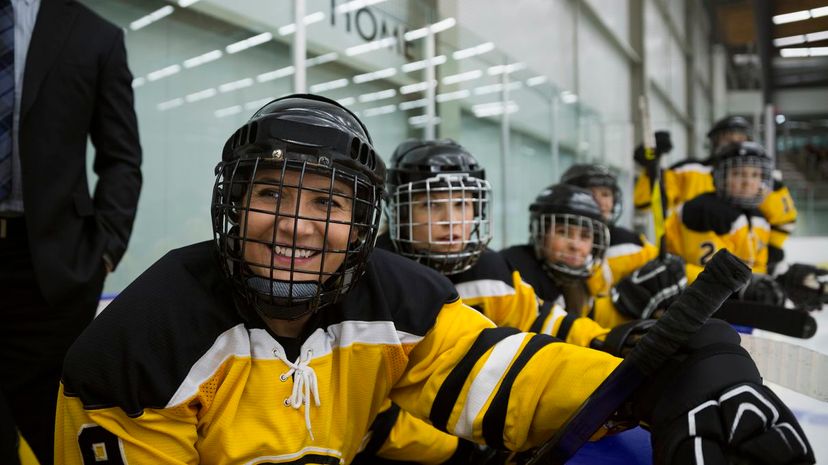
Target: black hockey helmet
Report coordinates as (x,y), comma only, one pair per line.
(593,175)
(554,212)
(742,154)
(295,147)
(444,179)
(729,129)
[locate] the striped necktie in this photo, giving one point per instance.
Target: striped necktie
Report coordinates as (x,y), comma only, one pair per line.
(6,95)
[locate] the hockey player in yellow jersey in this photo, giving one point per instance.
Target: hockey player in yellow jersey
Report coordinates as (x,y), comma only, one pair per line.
(689,178)
(729,216)
(279,340)
(627,251)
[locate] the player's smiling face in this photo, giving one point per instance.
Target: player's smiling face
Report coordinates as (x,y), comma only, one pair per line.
(287,226)
(569,245)
(444,224)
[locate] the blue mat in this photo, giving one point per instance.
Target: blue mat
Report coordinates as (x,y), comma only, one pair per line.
(631,447)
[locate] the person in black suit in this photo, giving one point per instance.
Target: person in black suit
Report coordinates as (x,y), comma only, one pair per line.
(57,243)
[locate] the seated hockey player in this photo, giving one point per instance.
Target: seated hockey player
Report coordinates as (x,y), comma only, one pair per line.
(689,178)
(278,340)
(627,251)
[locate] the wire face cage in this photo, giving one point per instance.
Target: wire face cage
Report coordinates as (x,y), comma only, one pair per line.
(744,181)
(571,246)
(443,222)
(293,234)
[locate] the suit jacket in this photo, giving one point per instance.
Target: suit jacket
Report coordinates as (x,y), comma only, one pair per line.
(77,84)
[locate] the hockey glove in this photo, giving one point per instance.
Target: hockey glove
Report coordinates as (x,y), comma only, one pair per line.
(763,289)
(652,287)
(708,406)
(806,285)
(623,338)
(663,146)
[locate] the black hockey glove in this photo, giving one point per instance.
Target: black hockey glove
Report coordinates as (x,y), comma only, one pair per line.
(763,289)
(652,287)
(663,145)
(708,405)
(623,338)
(806,285)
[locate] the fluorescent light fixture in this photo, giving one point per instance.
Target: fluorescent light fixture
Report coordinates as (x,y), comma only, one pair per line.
(456,95)
(818,51)
(200,95)
(568,97)
(488,89)
(745,58)
(321,59)
(439,26)
(793,52)
(816,36)
(138,82)
(422,120)
(493,109)
(412,104)
(418,87)
(163,72)
(235,85)
(536,81)
(383,110)
(186,3)
(355,5)
(370,46)
(792,17)
(417,65)
(780,119)
(258,103)
(374,96)
(818,12)
(203,58)
(170,104)
(275,74)
(462,77)
(508,69)
(145,21)
(249,42)
(792,40)
(309,19)
(373,76)
(329,85)
(472,51)
(234,110)
(347,101)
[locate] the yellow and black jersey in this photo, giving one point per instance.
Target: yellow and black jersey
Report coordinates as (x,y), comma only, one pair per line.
(626,253)
(688,179)
(708,223)
(172,373)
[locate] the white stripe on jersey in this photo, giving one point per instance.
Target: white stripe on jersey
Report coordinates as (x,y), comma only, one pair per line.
(483,288)
(556,313)
(695,167)
(292,457)
(622,249)
(487,381)
(258,344)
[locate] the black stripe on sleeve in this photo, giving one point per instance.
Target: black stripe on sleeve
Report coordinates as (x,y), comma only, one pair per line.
(380,429)
(495,417)
(453,384)
(566,325)
(544,311)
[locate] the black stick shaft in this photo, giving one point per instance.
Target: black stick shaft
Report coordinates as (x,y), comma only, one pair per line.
(722,276)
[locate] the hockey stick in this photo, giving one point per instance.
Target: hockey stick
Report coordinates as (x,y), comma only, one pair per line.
(723,275)
(653,170)
(788,321)
(794,367)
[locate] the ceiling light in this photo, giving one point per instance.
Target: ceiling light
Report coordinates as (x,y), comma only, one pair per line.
(234,110)
(145,21)
(791,17)
(249,42)
(373,76)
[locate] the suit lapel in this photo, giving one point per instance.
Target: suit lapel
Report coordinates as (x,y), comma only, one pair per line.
(54,21)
